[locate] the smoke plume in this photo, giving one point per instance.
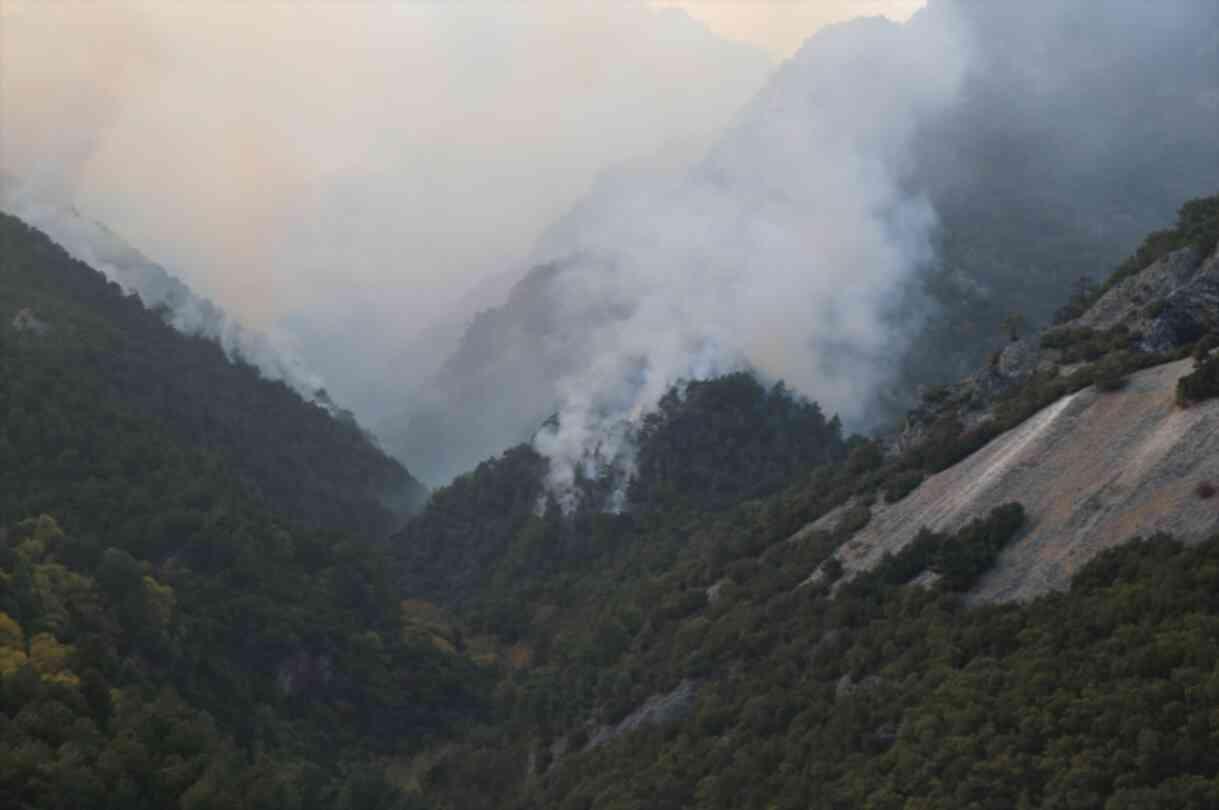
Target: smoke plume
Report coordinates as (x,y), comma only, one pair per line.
(864,224)
(357,176)
(786,252)
(471,217)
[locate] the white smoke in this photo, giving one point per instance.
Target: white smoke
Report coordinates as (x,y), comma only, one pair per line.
(353,174)
(95,245)
(785,252)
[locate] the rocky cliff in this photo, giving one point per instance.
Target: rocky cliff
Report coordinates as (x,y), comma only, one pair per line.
(1094,468)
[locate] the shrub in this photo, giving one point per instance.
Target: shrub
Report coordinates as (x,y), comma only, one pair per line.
(1155,309)
(1204,347)
(1203,384)
(855,519)
(902,485)
(1111,373)
(1205,490)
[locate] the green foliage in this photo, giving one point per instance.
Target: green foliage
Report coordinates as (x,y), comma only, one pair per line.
(211,620)
(111,384)
(1111,373)
(719,441)
(902,485)
(956,560)
(1086,345)
(1201,384)
(711,445)
(448,552)
(1102,697)
(1204,347)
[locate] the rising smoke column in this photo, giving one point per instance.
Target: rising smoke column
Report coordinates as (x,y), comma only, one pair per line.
(786,251)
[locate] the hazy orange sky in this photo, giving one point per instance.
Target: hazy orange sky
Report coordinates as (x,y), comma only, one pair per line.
(250,144)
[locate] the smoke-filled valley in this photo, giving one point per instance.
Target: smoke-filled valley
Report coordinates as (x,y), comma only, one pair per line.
(863,226)
(606,406)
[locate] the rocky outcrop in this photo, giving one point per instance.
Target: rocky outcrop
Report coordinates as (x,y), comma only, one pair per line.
(658,710)
(970,401)
(1171,303)
(1092,470)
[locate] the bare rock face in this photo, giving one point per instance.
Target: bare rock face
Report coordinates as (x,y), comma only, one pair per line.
(657,710)
(1171,303)
(970,401)
(1092,470)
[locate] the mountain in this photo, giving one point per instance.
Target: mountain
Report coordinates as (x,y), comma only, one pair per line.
(99,247)
(957,612)
(1098,465)
(192,568)
(760,612)
(686,585)
(322,470)
(497,532)
(1034,172)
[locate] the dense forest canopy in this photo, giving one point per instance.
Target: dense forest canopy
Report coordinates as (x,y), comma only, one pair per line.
(192,568)
(789,690)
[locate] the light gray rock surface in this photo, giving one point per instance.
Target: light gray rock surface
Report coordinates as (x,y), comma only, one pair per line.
(1171,303)
(656,710)
(1092,470)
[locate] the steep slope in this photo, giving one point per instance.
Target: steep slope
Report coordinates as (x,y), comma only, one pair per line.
(1100,464)
(298,457)
(195,608)
(498,530)
(1092,470)
(96,245)
(991,658)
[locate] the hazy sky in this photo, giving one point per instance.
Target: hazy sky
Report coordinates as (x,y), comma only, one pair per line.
(781,26)
(349,173)
(402,146)
(408,147)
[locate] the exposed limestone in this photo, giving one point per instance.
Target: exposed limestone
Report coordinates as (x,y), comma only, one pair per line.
(970,401)
(1173,302)
(1092,470)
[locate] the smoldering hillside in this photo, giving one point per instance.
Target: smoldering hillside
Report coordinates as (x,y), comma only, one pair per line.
(866,225)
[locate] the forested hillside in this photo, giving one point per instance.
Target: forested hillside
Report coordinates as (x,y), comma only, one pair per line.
(194,605)
(709,652)
(180,628)
(496,531)
(109,350)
